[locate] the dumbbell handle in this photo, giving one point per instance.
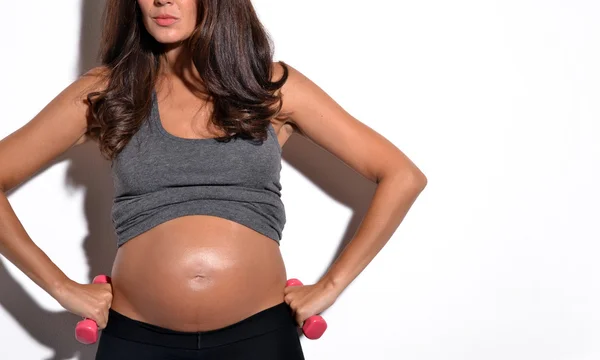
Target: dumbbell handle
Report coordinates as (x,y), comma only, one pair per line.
(86,331)
(315,325)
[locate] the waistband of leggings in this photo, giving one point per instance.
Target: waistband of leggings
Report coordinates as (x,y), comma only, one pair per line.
(264,321)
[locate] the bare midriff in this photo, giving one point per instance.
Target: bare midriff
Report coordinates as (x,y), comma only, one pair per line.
(197,273)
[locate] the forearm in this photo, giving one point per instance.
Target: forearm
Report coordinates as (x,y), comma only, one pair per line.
(19,249)
(393,198)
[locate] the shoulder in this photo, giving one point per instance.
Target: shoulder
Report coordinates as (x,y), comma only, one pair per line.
(299,93)
(296,82)
(278,70)
(75,95)
(95,79)
(97,71)
(291,90)
(281,69)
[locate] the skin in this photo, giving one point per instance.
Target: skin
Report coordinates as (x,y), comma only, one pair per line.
(229,271)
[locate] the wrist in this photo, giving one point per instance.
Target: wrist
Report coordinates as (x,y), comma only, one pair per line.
(60,288)
(332,284)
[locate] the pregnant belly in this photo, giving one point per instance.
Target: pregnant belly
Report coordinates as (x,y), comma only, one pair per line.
(197,273)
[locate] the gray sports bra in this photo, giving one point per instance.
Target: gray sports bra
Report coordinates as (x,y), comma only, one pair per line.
(158,176)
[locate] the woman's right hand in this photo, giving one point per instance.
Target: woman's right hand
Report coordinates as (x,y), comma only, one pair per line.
(87,300)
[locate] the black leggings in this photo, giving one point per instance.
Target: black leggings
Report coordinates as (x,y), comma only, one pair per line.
(271,334)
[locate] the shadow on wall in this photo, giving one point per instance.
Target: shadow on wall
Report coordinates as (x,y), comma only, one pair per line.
(89,170)
(92,172)
(333,177)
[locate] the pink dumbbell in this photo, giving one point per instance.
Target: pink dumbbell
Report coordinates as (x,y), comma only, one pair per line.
(86,331)
(315,325)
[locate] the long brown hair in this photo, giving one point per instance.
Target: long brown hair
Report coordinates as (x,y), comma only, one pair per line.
(231,50)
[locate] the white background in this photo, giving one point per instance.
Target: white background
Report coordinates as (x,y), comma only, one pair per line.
(496,101)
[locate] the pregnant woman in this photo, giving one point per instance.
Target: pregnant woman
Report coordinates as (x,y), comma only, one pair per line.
(192,112)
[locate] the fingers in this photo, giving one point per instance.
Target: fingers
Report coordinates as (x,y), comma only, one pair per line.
(100,315)
(299,320)
(107,304)
(299,313)
(291,298)
(296,297)
(289,289)
(103,317)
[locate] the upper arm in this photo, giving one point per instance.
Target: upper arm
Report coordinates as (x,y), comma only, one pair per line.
(316,116)
(60,125)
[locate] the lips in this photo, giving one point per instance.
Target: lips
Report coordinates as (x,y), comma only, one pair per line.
(165,19)
(165,16)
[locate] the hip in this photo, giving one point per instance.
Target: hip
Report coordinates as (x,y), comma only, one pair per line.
(270,334)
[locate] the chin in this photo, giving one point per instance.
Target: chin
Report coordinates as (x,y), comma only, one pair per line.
(168,37)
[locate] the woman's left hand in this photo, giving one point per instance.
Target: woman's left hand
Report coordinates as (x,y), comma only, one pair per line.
(309,300)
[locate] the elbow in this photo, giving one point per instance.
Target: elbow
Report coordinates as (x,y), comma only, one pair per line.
(412,179)
(421,179)
(417,180)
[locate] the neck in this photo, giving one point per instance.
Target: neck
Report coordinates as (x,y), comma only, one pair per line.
(177,66)
(175,57)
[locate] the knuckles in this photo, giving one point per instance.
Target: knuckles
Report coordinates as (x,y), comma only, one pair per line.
(302,314)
